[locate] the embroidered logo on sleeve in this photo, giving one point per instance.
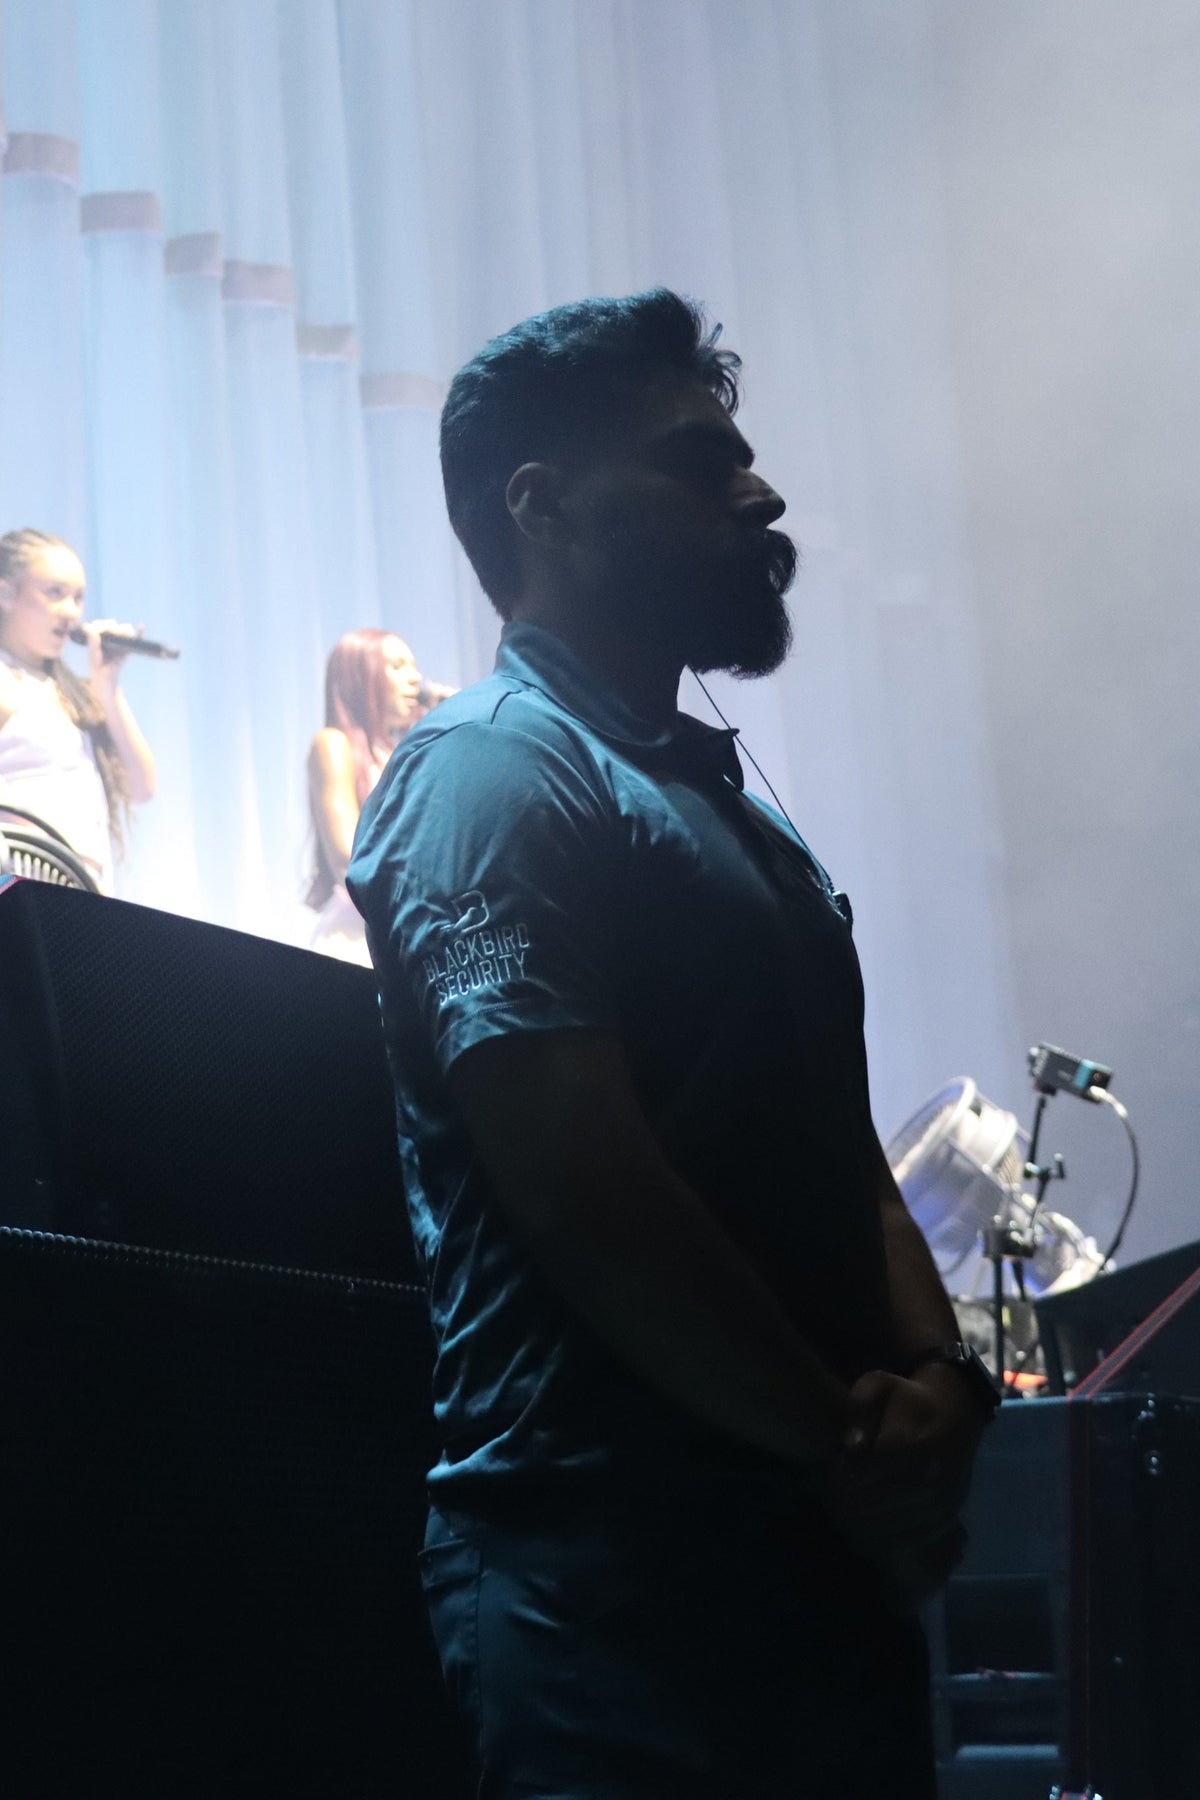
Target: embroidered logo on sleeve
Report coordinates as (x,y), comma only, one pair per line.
(476,952)
(472,911)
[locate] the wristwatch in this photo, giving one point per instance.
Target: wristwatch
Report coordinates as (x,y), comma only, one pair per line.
(971,1366)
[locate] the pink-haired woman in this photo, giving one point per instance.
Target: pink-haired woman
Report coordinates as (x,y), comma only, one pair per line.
(374,693)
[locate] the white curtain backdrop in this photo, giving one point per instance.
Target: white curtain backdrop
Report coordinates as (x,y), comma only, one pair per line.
(244,245)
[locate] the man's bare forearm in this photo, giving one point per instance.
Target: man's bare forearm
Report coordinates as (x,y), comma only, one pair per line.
(634,1252)
(921,1309)
(684,1309)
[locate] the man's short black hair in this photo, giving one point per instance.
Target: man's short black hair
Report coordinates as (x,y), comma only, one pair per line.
(554,383)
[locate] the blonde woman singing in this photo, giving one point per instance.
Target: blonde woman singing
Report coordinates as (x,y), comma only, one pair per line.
(71,751)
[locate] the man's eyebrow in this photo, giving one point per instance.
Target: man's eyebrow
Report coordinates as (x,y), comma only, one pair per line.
(715,436)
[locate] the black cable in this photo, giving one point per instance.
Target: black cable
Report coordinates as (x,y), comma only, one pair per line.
(1111,1100)
(744,746)
(1096,1093)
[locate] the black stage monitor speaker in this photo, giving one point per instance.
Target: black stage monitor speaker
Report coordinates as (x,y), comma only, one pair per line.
(1066,1646)
(215,1357)
(1135,1330)
(212,1494)
(176,1085)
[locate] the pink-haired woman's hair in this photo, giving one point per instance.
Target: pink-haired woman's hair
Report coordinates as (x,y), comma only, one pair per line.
(356,704)
(357,700)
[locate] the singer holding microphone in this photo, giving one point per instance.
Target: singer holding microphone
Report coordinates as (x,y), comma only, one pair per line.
(374,694)
(71,751)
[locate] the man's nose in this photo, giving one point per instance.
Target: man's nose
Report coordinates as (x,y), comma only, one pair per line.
(758,503)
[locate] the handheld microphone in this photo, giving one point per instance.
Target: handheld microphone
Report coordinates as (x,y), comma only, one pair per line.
(117,643)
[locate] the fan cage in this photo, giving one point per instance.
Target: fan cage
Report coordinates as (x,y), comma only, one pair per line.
(959,1163)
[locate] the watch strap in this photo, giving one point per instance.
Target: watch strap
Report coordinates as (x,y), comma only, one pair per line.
(968,1361)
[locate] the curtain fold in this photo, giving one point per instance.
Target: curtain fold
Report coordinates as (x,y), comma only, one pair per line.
(401,390)
(131,547)
(320,214)
(43,470)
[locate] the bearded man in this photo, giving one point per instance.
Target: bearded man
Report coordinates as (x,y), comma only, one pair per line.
(705,1421)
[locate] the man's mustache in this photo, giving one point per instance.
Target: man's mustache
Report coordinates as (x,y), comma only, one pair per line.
(776,554)
(757,552)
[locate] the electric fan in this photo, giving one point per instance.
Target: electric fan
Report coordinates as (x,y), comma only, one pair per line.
(959,1162)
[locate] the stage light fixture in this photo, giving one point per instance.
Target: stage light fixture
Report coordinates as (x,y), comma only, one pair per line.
(960,1162)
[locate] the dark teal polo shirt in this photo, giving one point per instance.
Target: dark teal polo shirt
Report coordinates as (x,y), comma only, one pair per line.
(535,858)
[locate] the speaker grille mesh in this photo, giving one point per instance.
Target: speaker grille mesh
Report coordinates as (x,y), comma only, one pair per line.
(213,1497)
(219,1093)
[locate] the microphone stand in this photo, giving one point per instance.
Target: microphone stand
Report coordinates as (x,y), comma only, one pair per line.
(1007,1241)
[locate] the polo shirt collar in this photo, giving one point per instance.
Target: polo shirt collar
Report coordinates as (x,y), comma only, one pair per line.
(540,659)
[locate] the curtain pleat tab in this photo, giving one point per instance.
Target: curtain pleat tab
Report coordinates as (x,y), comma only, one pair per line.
(258,284)
(40,153)
(197,253)
(131,211)
(328,343)
(402,387)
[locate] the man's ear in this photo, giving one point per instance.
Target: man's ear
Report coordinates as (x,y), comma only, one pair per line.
(533,498)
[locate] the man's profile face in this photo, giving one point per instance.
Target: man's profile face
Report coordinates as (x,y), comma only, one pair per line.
(672,536)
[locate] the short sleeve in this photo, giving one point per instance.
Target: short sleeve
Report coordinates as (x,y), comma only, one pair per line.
(483,872)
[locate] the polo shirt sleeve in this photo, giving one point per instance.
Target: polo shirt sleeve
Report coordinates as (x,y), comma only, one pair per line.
(496,852)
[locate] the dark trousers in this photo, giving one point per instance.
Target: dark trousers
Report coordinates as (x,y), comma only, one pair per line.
(710,1649)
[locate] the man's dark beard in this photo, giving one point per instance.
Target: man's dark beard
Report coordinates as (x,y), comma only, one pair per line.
(745,629)
(723,610)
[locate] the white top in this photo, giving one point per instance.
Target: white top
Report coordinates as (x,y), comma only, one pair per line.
(339,930)
(47,767)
